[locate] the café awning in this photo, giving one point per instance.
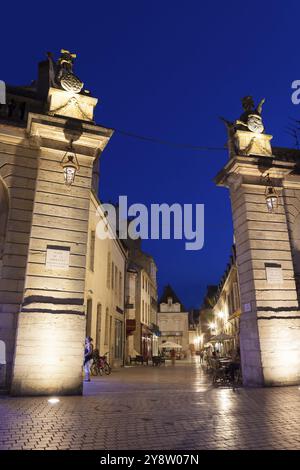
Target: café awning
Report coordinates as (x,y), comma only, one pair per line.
(221,337)
(170,345)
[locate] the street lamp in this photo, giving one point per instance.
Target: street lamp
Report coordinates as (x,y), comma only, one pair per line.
(271,196)
(70,165)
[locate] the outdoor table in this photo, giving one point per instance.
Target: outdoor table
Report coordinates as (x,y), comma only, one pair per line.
(225,361)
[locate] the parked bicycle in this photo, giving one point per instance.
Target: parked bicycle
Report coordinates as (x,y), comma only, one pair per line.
(100,364)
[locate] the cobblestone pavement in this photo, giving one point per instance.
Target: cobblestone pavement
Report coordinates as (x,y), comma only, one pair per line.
(144,407)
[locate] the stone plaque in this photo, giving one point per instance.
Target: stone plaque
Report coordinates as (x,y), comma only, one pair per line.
(274,274)
(58,257)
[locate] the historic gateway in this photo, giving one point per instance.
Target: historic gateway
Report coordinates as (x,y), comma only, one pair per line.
(264,184)
(49,152)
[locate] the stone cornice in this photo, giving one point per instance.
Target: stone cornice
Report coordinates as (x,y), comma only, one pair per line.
(51,131)
(253,167)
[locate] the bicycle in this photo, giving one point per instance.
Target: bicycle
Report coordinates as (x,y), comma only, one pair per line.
(100,364)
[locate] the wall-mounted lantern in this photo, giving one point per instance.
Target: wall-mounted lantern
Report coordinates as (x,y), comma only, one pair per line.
(271,195)
(70,166)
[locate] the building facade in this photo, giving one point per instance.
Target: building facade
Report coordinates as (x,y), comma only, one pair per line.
(141,312)
(105,284)
(173,320)
(220,313)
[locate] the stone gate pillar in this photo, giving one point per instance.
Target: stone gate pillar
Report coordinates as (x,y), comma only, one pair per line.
(51,322)
(266,247)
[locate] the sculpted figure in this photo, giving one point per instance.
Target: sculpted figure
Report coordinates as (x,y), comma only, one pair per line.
(61,73)
(251,118)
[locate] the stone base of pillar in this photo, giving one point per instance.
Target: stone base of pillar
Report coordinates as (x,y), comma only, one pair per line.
(270,355)
(49,354)
(280,347)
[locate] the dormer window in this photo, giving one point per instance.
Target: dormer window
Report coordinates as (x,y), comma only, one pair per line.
(170,301)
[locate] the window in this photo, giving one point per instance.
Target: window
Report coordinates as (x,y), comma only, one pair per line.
(236,300)
(89,308)
(106,326)
(120,289)
(116,281)
(169,301)
(143,281)
(92,251)
(112,275)
(118,339)
(109,332)
(108,270)
(98,326)
(143,310)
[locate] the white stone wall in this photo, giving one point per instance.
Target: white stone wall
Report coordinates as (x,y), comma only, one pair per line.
(99,290)
(173,307)
(18,169)
(175,323)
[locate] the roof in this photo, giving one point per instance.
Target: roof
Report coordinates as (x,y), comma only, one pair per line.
(169,292)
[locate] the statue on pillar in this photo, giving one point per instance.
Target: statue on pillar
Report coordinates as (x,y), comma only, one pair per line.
(251,118)
(66,96)
(246,134)
(61,73)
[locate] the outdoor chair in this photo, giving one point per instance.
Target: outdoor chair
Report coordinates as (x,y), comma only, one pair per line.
(138,360)
(158,360)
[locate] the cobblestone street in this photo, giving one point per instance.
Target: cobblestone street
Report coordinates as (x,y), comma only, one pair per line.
(145,407)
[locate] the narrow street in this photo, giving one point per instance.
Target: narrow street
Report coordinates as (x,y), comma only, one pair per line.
(144,407)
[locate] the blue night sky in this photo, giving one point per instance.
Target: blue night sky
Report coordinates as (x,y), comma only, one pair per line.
(168,69)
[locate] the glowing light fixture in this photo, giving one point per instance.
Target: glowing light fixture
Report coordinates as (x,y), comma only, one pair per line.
(271,196)
(53,401)
(70,165)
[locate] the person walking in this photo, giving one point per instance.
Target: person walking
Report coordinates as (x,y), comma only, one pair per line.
(173,356)
(88,358)
(201,357)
